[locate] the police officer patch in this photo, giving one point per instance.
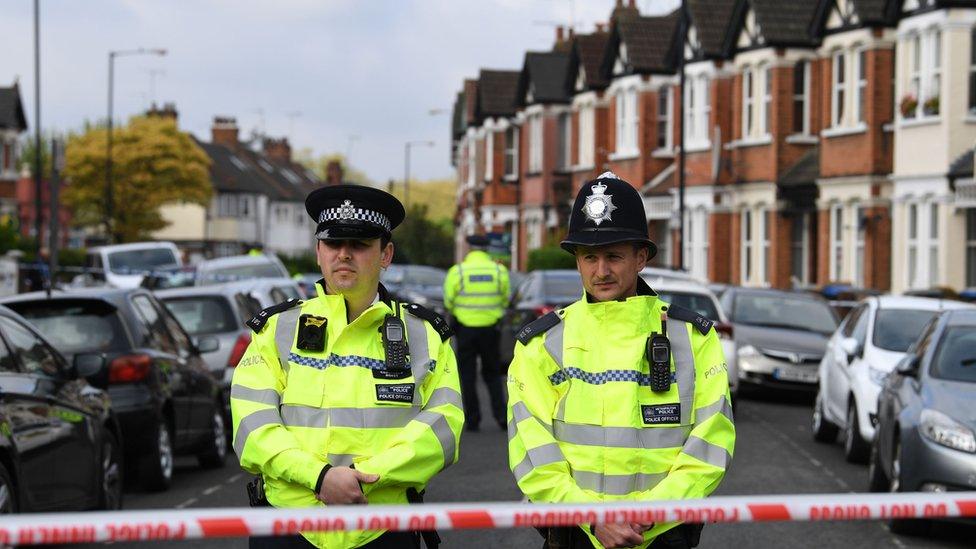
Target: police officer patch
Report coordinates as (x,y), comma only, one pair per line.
(401,392)
(661,414)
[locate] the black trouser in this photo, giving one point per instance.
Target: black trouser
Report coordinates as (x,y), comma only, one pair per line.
(472,343)
(389,540)
(683,536)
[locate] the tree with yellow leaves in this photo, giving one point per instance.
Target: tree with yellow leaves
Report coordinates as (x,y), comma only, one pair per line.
(153,163)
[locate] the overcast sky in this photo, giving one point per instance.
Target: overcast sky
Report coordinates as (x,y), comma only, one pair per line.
(331,75)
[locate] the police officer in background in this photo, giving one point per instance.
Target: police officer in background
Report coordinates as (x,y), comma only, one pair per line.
(349,397)
(476,292)
(618,396)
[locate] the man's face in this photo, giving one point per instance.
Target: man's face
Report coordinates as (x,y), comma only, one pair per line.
(352,267)
(610,272)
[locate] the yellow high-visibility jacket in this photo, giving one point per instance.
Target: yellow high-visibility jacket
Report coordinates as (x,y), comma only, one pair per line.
(294,411)
(476,290)
(584,424)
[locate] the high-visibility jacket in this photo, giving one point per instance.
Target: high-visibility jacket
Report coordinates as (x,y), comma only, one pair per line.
(476,290)
(584,424)
(294,411)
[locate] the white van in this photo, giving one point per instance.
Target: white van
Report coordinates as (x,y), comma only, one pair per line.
(125,265)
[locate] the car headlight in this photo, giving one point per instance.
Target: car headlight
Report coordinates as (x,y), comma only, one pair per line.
(942,429)
(748,351)
(877,375)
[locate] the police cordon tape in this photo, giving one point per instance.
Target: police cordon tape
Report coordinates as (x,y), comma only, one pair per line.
(144,525)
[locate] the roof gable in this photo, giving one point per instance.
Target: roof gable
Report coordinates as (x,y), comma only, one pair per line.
(775,23)
(496,93)
(643,45)
(12,109)
(544,78)
(835,16)
(712,21)
(586,57)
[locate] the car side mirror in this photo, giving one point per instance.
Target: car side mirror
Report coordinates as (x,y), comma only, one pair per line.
(89,366)
(851,348)
(908,366)
(208,344)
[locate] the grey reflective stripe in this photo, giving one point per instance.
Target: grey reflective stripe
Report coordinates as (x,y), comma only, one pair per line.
(720,406)
(463,306)
(649,438)
(253,422)
(706,451)
(285,334)
(684,365)
(438,424)
(360,418)
(521,412)
(479,294)
(461,277)
(419,352)
(340,460)
(554,343)
(444,395)
(617,485)
(537,457)
(512,429)
(264,396)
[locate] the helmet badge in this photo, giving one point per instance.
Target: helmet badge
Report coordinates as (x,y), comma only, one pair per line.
(598,205)
(347,211)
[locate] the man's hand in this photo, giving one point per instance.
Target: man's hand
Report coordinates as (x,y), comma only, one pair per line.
(616,536)
(341,486)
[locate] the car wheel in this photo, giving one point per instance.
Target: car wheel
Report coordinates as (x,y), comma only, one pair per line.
(823,429)
(855,447)
(214,452)
(111,497)
(8,493)
(157,465)
(877,481)
(908,527)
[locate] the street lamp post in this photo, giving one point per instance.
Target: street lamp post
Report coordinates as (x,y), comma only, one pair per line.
(406,170)
(109,191)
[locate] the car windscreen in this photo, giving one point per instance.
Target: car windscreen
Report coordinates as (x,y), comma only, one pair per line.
(423,277)
(701,304)
(209,314)
(242,272)
(956,358)
(896,329)
(560,288)
(783,311)
(77,326)
(139,261)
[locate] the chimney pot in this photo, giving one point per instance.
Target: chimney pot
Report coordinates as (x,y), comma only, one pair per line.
(559,34)
(601,27)
(224,131)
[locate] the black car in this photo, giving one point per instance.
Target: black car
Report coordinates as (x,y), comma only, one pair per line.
(59,440)
(165,398)
(537,294)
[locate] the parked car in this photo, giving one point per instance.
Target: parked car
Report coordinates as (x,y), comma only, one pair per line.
(269,291)
(60,443)
(239,267)
(860,354)
(418,284)
(218,311)
(700,299)
(539,293)
(780,336)
(653,274)
(306,282)
(163,395)
(125,265)
(926,432)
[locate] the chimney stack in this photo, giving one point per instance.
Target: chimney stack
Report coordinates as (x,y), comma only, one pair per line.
(278,150)
(601,27)
(224,131)
(559,34)
(168,110)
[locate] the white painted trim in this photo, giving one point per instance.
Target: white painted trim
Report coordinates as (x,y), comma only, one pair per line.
(905,123)
(754,142)
(842,131)
(663,153)
(628,155)
(802,139)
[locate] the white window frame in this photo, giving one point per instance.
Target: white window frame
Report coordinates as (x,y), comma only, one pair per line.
(838,87)
(971,99)
(745,240)
(664,99)
(933,243)
(587,132)
(804,249)
(698,111)
(860,258)
(860,95)
(970,247)
(766,113)
(489,154)
(912,226)
(626,120)
(836,242)
(535,142)
(764,258)
(512,152)
(564,125)
(471,161)
(925,70)
(802,97)
(748,102)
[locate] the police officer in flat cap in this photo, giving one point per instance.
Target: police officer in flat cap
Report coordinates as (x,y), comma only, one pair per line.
(616,396)
(350,397)
(476,293)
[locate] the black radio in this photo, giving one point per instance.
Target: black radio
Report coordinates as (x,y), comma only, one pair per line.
(395,343)
(659,357)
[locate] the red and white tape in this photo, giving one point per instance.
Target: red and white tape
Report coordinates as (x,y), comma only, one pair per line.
(142,525)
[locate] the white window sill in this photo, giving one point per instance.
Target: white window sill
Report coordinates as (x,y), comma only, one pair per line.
(751,142)
(843,131)
(970,118)
(581,168)
(802,139)
(511,178)
(888,128)
(662,153)
(916,122)
(628,155)
(700,146)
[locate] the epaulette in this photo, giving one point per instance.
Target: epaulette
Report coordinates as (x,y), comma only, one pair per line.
(436,320)
(698,321)
(259,320)
(538,326)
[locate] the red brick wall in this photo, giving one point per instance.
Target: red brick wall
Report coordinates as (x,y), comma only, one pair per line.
(719,247)
(822,272)
(877,242)
(780,250)
(735,248)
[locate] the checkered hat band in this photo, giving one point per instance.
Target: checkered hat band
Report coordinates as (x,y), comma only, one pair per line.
(599,378)
(344,213)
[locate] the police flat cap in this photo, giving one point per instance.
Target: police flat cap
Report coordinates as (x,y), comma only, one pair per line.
(478,240)
(353,212)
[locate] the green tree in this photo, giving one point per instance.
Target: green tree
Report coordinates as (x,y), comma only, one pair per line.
(550,257)
(318,165)
(154,163)
(419,240)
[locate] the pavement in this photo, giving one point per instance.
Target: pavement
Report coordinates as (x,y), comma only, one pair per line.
(775,454)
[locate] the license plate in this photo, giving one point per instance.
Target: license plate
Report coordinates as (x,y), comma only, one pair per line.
(789,375)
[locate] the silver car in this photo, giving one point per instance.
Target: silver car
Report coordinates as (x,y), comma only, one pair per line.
(239,267)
